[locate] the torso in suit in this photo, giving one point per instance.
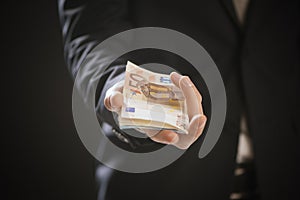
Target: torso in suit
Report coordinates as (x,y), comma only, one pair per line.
(259,64)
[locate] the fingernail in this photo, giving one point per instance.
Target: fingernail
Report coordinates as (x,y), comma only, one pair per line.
(175,76)
(186,81)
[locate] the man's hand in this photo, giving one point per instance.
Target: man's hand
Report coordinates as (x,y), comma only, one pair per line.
(114,100)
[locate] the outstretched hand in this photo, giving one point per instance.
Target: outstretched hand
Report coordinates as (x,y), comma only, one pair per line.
(114,100)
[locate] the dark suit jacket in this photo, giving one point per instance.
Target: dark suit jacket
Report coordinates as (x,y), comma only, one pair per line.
(259,64)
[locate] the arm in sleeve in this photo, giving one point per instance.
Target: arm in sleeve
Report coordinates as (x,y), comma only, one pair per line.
(85,24)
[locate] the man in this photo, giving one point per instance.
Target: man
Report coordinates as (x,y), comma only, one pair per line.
(257,53)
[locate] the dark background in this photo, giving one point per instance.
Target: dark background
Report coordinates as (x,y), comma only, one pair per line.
(43,158)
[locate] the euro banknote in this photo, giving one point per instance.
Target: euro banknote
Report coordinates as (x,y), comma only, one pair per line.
(152,101)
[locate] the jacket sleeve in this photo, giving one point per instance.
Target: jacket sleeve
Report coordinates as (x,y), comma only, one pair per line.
(85,24)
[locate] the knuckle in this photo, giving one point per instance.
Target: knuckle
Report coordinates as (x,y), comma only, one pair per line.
(165,137)
(170,138)
(200,97)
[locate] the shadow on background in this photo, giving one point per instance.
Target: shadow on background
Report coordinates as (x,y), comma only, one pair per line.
(43,156)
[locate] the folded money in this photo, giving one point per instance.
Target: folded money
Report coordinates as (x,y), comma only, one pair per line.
(152,101)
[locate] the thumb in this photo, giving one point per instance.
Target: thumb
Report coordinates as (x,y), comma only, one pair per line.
(114,101)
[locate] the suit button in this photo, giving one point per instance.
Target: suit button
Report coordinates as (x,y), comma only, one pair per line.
(120,136)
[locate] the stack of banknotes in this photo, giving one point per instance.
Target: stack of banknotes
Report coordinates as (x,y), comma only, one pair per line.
(152,101)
